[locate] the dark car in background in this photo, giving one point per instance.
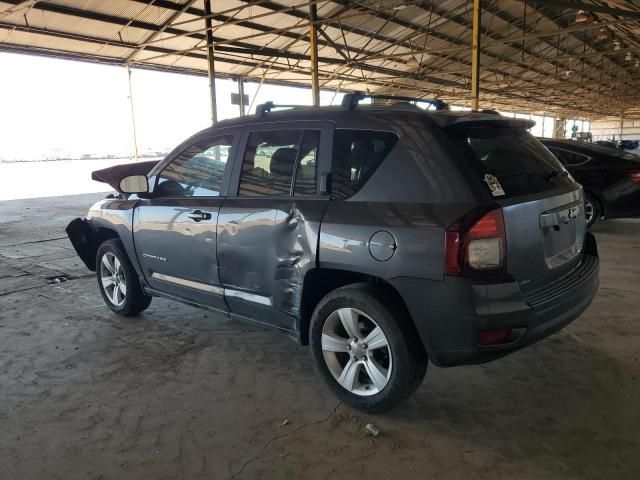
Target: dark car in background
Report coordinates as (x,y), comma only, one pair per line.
(381,235)
(606,143)
(610,178)
(628,144)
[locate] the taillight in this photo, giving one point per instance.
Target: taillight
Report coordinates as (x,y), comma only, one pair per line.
(478,247)
(635,177)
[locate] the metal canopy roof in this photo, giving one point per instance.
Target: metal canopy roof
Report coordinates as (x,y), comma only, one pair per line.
(534,56)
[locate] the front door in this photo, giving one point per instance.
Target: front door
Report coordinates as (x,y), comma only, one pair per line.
(268,225)
(175,230)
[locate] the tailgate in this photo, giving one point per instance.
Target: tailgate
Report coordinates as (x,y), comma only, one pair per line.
(544,237)
(542,205)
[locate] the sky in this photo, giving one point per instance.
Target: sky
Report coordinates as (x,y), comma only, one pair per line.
(56,108)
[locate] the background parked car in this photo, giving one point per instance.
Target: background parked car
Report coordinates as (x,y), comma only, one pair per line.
(606,143)
(628,144)
(611,179)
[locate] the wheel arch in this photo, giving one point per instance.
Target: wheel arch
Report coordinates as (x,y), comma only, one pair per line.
(318,282)
(86,237)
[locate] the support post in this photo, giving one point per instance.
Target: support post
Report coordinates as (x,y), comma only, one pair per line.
(560,128)
(241,95)
(210,63)
(313,40)
(133,117)
(475,57)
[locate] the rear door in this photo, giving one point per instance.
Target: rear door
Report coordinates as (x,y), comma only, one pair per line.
(269,224)
(175,231)
(542,204)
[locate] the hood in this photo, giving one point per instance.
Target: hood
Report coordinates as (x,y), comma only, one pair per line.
(113,175)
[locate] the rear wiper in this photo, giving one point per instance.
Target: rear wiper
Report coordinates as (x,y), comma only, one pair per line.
(555,174)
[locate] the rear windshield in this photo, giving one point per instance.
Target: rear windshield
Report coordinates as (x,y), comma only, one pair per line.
(509,160)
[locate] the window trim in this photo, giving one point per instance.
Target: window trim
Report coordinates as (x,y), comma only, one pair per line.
(189,143)
(588,157)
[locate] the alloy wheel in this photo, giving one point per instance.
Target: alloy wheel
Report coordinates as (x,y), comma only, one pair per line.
(588,211)
(356,351)
(113,279)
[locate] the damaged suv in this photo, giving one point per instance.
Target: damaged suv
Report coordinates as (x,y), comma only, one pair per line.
(382,235)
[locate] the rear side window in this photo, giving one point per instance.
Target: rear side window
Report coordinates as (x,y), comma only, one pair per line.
(519,162)
(356,156)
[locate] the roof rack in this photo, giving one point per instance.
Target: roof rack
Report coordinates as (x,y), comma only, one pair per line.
(268,106)
(351,100)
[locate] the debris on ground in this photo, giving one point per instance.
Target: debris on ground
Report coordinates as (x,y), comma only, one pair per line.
(371,430)
(284,422)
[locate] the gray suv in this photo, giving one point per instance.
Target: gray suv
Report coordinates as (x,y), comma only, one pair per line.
(382,235)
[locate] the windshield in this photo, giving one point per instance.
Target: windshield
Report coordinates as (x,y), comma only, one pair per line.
(510,160)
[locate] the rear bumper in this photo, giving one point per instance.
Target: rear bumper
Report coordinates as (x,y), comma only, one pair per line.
(449,315)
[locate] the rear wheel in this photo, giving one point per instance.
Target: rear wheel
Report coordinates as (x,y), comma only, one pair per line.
(592,210)
(364,348)
(118,281)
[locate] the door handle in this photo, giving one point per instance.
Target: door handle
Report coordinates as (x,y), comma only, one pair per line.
(199,215)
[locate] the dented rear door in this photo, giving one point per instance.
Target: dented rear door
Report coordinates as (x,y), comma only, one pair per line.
(269,224)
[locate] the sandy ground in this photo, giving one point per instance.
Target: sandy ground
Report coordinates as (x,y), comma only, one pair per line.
(180,393)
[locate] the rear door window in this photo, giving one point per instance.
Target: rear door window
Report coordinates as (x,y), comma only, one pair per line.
(273,157)
(356,156)
(520,163)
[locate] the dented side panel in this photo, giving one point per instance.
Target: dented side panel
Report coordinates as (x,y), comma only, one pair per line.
(265,248)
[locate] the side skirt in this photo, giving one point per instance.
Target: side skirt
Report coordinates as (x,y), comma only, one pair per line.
(294,335)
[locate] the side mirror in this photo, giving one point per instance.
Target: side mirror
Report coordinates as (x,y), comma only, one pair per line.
(134,184)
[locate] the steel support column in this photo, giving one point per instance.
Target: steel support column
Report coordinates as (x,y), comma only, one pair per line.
(241,96)
(133,117)
(313,44)
(560,128)
(475,57)
(210,63)
(621,124)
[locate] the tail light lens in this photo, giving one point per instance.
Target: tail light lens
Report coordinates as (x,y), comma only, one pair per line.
(480,247)
(635,177)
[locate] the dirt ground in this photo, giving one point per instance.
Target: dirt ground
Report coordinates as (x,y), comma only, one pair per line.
(181,393)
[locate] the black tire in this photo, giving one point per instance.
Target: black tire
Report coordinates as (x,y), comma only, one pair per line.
(409,360)
(591,204)
(134,301)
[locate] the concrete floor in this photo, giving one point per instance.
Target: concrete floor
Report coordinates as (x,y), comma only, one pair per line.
(183,393)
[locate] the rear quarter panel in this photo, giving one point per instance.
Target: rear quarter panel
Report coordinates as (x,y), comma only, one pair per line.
(415,194)
(347,229)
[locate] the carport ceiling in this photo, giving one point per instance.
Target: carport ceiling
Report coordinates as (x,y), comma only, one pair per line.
(535,56)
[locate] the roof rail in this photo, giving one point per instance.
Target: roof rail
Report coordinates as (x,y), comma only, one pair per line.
(351,100)
(268,106)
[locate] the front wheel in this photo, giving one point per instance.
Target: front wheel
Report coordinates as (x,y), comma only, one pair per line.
(118,281)
(364,348)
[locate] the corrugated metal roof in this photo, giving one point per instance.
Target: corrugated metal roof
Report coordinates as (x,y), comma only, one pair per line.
(534,55)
